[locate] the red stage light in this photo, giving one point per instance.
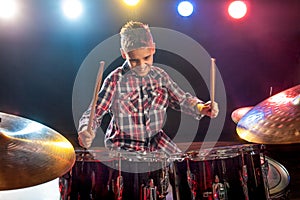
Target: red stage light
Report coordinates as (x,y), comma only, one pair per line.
(237,9)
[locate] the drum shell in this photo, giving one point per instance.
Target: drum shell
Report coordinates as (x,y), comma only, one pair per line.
(227,163)
(95,179)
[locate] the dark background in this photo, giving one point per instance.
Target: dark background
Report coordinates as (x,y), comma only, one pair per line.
(41,52)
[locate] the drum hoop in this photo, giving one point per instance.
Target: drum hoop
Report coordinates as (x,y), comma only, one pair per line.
(139,156)
(111,155)
(225,152)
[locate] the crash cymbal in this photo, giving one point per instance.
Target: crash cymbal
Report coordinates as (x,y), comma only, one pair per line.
(237,114)
(276,120)
(31,153)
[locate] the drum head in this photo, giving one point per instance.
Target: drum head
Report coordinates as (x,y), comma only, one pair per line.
(223,152)
(278,177)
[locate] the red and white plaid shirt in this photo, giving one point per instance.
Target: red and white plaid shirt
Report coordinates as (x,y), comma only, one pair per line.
(138,106)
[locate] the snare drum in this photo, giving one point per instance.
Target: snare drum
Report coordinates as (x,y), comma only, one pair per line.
(231,172)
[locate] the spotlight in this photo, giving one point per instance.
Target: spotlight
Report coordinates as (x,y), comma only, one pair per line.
(72,8)
(131,2)
(237,9)
(185,8)
(8,9)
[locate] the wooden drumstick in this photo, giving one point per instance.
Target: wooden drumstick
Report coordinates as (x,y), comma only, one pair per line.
(95,96)
(212,80)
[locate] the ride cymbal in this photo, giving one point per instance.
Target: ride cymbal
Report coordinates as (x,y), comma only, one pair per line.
(276,120)
(31,153)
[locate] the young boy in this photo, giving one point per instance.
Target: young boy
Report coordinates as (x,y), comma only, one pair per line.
(137,95)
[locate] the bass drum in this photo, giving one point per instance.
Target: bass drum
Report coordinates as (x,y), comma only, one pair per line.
(278,178)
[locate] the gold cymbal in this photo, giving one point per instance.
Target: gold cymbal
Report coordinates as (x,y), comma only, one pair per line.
(31,153)
(237,114)
(276,120)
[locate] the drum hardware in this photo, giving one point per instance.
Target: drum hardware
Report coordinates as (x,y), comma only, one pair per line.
(26,147)
(149,191)
(219,190)
(244,177)
(119,188)
(191,179)
(205,194)
(119,182)
(265,171)
(64,185)
(256,173)
(175,172)
(164,181)
(110,182)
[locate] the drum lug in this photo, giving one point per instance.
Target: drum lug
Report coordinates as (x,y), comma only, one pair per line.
(149,192)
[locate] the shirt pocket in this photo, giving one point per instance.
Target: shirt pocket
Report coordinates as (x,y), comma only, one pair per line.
(159,98)
(128,102)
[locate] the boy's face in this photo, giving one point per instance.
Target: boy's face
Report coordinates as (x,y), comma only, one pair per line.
(140,60)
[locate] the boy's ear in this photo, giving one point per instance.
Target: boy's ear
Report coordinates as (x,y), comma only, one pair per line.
(153,48)
(123,54)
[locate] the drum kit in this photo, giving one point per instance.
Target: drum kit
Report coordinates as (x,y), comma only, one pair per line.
(33,154)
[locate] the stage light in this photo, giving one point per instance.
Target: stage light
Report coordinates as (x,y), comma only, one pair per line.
(237,9)
(8,9)
(131,2)
(72,8)
(185,8)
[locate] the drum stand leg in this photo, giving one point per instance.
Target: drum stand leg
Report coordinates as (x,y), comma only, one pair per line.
(191,180)
(220,189)
(176,180)
(244,178)
(149,192)
(110,182)
(265,170)
(119,184)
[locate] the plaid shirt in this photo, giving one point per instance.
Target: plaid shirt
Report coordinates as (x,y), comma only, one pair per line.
(138,106)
